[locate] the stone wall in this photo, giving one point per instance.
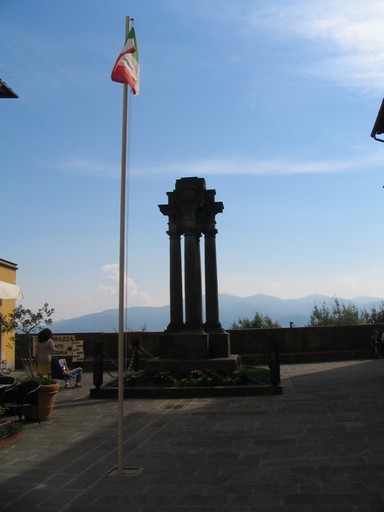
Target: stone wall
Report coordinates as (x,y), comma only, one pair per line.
(303,344)
(307,344)
(108,343)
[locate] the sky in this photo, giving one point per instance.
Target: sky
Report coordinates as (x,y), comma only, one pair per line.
(272,103)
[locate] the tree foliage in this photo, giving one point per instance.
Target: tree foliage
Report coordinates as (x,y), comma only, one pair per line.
(257,322)
(337,313)
(374,316)
(340,313)
(25,320)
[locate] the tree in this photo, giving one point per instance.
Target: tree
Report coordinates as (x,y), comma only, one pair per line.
(375,316)
(257,322)
(339,313)
(26,321)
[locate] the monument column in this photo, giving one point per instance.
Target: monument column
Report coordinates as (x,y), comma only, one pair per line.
(175,283)
(211,284)
(210,210)
(175,269)
(192,278)
(219,344)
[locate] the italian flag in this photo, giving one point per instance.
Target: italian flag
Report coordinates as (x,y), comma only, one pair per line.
(127,67)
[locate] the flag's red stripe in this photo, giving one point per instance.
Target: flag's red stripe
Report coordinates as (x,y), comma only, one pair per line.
(122,75)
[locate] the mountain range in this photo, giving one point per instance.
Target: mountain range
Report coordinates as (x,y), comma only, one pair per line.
(231,307)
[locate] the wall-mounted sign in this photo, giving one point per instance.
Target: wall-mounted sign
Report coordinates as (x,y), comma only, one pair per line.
(65,347)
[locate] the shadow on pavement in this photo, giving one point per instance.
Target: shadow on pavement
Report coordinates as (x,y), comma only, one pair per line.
(316,447)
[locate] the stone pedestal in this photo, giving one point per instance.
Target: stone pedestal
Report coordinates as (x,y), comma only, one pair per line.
(183,345)
(180,366)
(219,345)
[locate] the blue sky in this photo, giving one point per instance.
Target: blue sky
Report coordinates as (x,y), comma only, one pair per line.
(271,102)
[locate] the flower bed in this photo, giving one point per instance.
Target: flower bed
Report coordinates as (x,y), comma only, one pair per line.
(198,383)
(197,378)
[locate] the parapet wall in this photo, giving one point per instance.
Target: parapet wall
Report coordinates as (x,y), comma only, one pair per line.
(307,344)
(302,344)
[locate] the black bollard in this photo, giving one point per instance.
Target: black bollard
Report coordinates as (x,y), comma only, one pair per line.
(136,354)
(98,366)
(274,361)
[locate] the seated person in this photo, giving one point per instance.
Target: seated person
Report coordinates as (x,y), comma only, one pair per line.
(77,373)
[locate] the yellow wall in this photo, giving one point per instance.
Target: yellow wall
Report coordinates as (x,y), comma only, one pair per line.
(8,275)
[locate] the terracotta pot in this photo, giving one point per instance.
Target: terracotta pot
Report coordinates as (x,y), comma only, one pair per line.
(46,403)
(5,421)
(10,439)
(6,441)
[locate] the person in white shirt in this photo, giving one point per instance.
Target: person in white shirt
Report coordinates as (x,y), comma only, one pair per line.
(77,373)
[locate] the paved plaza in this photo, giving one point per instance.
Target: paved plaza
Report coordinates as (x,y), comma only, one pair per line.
(318,447)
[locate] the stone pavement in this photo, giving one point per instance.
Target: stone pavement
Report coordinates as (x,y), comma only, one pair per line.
(317,447)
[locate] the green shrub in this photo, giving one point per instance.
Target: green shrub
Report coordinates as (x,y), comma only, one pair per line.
(197,378)
(10,428)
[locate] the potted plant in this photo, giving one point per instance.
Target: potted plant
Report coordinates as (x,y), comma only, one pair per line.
(3,410)
(46,401)
(10,430)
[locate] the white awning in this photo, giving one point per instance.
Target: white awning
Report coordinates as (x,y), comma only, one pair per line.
(10,291)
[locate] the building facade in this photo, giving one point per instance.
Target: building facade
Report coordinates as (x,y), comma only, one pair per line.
(7,305)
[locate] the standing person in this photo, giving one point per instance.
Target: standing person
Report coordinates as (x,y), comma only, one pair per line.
(381,346)
(44,350)
(375,343)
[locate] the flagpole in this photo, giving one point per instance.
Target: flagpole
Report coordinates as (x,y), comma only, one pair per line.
(120,406)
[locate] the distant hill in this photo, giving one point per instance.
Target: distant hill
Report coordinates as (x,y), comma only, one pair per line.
(231,308)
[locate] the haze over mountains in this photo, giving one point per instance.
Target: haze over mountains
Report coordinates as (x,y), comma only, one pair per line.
(231,308)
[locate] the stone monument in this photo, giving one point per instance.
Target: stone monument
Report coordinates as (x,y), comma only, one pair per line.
(189,343)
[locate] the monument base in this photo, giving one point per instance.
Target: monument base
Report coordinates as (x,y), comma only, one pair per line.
(228,364)
(184,345)
(200,345)
(219,344)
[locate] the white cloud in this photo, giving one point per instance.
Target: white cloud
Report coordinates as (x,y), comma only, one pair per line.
(107,290)
(241,166)
(111,271)
(345,37)
(134,296)
(86,167)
